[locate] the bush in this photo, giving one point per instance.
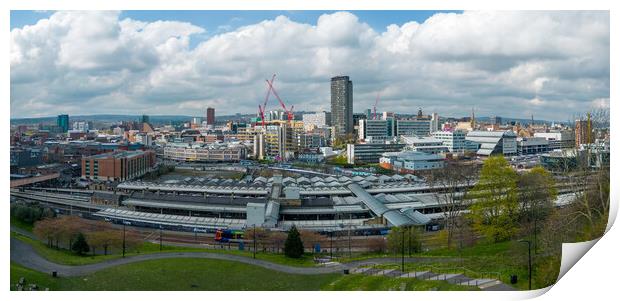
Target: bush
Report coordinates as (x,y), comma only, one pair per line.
(293,246)
(29,214)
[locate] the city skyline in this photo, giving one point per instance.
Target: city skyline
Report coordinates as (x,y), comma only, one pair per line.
(119,64)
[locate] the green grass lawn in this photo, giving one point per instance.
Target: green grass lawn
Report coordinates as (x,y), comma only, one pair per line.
(382,283)
(19,224)
(178,274)
(491,260)
(63,256)
(484,260)
(210,274)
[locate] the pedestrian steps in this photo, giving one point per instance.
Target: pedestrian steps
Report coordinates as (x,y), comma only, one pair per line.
(459,279)
(481,283)
(444,276)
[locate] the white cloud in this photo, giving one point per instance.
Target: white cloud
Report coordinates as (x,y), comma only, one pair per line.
(502,63)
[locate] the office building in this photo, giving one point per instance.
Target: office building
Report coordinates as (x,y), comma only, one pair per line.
(558,139)
(370,153)
(205,152)
(411,127)
(210,116)
(453,140)
(282,140)
(532,145)
(63,122)
(372,128)
(435,122)
(117,166)
(316,120)
(81,126)
(429,145)
(494,142)
(356,119)
(342,105)
(411,161)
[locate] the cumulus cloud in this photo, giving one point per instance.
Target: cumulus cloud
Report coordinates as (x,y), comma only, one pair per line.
(551,64)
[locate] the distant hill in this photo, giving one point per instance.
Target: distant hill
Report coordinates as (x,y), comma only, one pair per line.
(159,119)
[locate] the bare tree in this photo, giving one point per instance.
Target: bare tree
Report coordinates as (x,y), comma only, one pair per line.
(586,176)
(453,183)
(276,240)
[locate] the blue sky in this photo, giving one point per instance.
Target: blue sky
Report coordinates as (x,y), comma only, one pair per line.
(506,63)
(212,20)
(216,22)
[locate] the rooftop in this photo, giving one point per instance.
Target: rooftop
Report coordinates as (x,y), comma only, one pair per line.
(117,155)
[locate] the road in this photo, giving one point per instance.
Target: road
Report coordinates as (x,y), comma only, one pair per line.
(25,255)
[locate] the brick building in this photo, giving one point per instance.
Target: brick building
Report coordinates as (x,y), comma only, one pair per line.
(117,166)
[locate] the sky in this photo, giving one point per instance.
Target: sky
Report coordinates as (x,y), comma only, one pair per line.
(550,64)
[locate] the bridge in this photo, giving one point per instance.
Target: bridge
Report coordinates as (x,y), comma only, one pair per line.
(32,180)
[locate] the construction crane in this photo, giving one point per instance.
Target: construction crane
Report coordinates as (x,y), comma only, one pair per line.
(261,110)
(374,108)
(289,112)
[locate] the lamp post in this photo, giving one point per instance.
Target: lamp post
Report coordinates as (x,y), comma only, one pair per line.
(125,223)
(349,235)
(160,232)
(254,248)
(331,242)
(402,249)
(529,261)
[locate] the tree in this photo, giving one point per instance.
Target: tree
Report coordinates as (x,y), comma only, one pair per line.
(293,246)
(587,176)
(376,244)
(537,192)
(103,239)
(46,230)
(261,236)
(410,243)
(68,227)
(311,238)
(494,211)
(80,246)
(277,239)
(454,181)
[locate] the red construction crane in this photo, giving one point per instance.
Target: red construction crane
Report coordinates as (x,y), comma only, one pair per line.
(289,112)
(261,110)
(374,108)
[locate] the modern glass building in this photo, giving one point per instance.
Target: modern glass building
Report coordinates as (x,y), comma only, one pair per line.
(63,122)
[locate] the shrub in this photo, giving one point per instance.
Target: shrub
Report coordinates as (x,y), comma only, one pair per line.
(80,246)
(293,246)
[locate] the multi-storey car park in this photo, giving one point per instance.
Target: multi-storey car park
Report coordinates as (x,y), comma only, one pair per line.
(319,203)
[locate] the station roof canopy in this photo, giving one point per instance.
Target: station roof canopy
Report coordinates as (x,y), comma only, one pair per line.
(393,217)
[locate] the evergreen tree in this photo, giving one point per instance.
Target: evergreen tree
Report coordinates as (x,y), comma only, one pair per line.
(293,246)
(80,245)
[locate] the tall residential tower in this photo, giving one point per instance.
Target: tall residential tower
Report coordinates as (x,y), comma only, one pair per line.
(342,105)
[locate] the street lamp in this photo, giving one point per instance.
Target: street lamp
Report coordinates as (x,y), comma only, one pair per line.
(160,242)
(529,261)
(402,234)
(254,248)
(125,223)
(331,242)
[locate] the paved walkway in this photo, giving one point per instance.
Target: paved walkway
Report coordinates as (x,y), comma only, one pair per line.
(25,255)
